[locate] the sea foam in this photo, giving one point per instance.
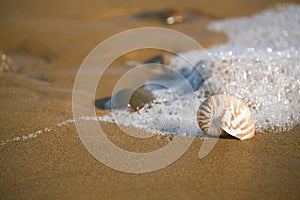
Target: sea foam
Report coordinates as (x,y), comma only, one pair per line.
(260,64)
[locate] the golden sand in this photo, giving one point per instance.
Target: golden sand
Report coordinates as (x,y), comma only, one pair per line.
(48,40)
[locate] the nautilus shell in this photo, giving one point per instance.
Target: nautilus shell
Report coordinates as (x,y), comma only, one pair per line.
(221,113)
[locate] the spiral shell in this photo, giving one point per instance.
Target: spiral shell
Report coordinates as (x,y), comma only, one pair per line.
(221,113)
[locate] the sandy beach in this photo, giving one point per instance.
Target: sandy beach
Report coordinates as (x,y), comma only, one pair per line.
(47,42)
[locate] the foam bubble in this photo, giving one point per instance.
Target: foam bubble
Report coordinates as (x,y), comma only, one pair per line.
(260,64)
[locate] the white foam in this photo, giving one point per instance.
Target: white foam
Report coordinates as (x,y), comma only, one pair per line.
(37,132)
(260,64)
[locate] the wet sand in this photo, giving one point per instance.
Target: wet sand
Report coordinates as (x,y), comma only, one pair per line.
(48,41)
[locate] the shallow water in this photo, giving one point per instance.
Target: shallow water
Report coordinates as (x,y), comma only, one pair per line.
(260,65)
(47,64)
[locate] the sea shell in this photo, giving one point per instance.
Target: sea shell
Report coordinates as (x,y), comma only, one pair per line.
(221,113)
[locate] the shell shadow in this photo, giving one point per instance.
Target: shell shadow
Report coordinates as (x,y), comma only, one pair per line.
(224,135)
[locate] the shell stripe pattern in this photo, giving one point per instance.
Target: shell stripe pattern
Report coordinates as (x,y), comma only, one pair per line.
(225,113)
